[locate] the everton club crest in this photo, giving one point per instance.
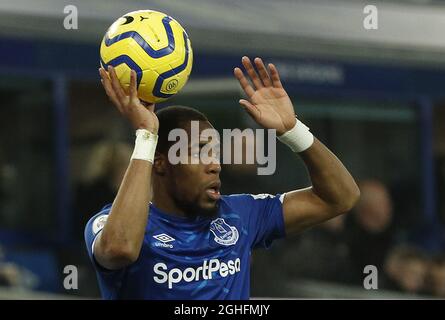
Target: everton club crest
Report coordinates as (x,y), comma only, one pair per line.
(224,234)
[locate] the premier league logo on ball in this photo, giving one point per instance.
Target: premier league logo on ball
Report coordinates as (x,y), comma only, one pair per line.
(224,234)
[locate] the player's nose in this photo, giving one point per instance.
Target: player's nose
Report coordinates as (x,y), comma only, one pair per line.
(214,167)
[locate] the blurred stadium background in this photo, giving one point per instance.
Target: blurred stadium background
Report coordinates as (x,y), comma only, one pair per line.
(375,97)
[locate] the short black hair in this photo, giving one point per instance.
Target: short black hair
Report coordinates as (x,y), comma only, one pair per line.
(173,117)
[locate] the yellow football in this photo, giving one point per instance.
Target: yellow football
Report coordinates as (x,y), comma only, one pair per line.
(154,45)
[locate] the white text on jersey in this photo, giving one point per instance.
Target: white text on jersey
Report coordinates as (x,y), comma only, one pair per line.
(204,272)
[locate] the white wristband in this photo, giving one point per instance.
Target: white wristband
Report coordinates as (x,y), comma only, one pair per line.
(299,138)
(145,145)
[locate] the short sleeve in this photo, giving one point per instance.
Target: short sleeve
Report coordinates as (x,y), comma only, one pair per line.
(265,220)
(94,227)
(110,281)
(92,230)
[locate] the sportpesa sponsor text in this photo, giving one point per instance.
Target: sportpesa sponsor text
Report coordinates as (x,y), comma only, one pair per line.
(204,272)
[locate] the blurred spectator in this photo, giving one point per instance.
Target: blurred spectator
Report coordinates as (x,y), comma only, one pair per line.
(8,186)
(104,172)
(406,270)
(9,275)
(369,231)
(440,182)
(15,276)
(436,277)
(320,254)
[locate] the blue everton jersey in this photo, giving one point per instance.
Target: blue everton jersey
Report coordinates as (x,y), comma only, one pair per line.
(200,258)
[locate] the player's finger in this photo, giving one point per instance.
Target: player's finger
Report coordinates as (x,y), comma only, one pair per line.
(133,86)
(275,76)
(105,80)
(245,85)
(264,75)
(102,73)
(250,108)
(251,72)
(116,85)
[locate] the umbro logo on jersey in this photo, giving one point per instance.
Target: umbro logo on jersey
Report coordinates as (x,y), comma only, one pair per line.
(163,240)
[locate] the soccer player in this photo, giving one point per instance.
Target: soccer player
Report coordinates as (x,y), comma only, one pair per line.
(170,234)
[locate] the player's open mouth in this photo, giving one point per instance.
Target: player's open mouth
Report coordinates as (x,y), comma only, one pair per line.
(213,190)
(213,193)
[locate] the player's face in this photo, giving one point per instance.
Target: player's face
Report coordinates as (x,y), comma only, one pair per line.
(196,186)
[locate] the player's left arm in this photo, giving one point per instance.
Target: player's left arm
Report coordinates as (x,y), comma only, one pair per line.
(333,191)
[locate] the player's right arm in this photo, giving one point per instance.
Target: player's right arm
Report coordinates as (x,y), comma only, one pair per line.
(120,241)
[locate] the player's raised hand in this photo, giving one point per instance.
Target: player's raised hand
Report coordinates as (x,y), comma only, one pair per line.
(268,102)
(129,105)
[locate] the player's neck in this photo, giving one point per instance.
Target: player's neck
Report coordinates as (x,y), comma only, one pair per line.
(167,206)
(164,202)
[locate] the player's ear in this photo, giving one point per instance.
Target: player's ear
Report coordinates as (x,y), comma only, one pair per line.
(159,164)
